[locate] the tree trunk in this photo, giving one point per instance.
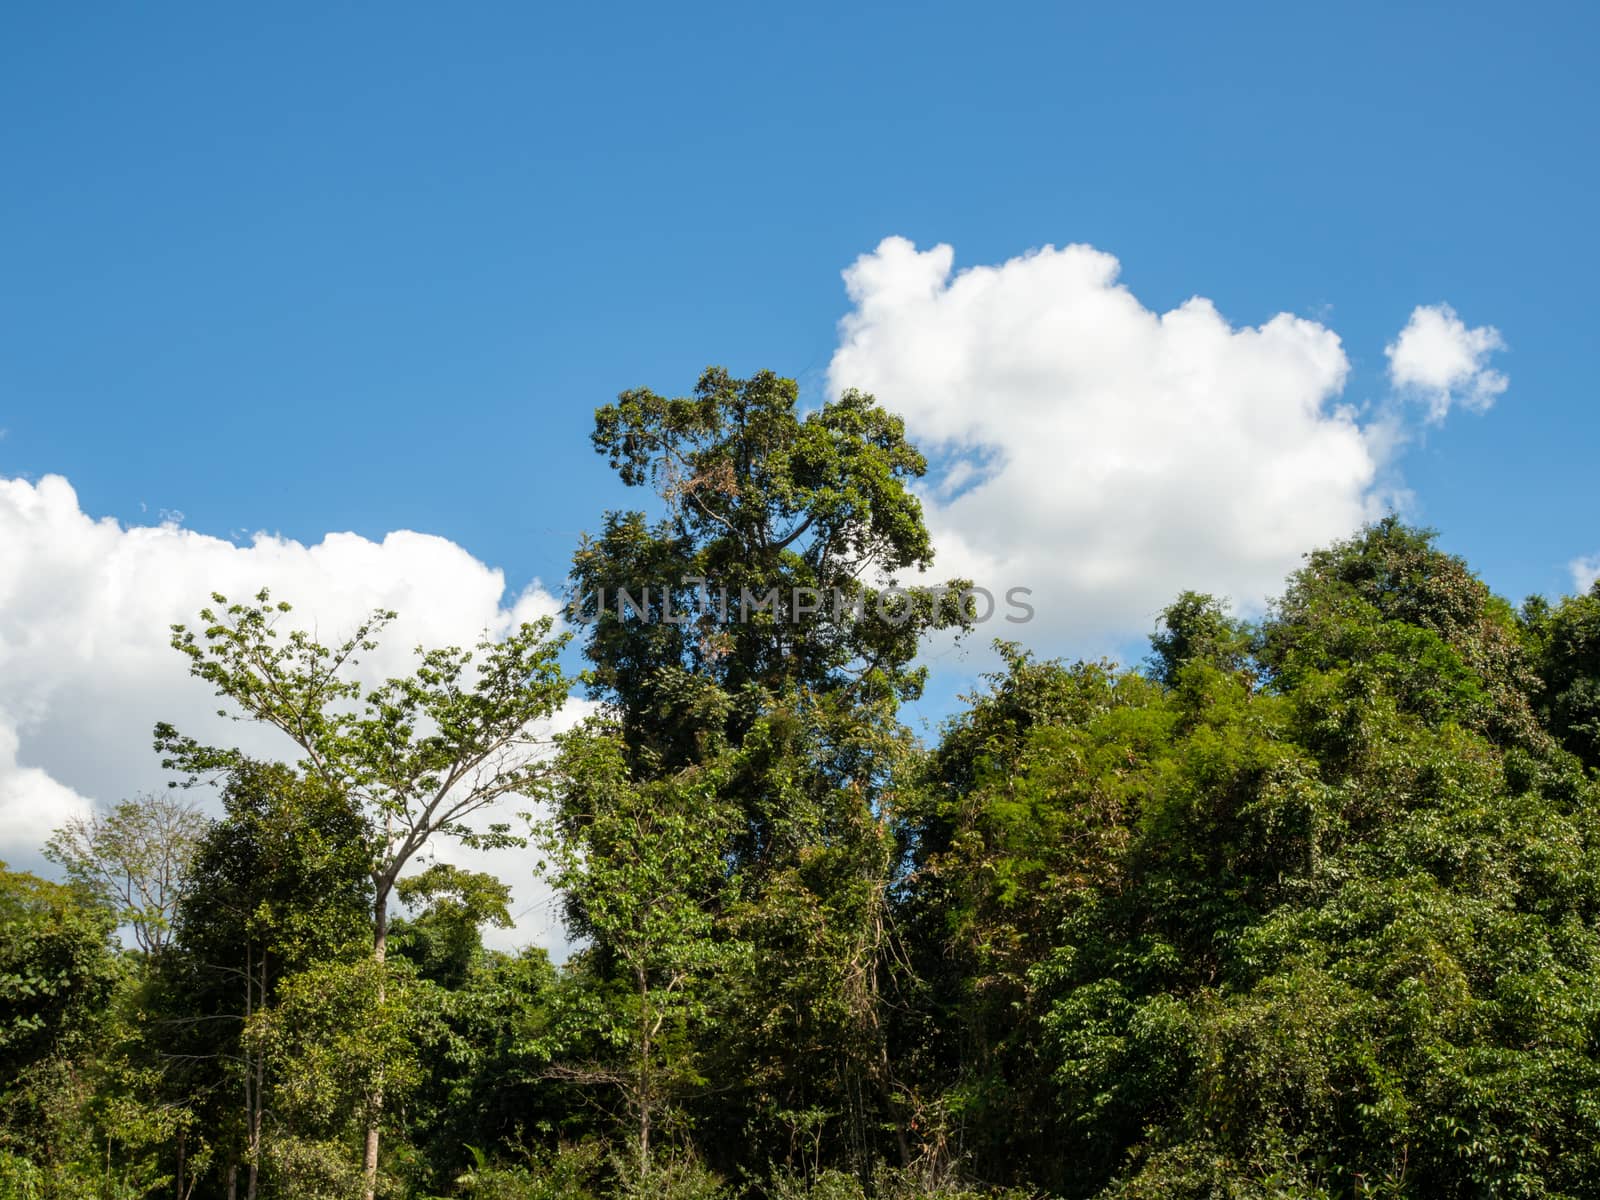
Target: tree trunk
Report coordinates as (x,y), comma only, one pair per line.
(380,945)
(259,1104)
(251,1078)
(643,981)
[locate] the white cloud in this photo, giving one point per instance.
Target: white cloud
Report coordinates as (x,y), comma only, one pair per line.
(86,669)
(1107,455)
(1585,571)
(1439,360)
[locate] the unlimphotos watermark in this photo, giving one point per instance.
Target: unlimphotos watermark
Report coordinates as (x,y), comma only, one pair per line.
(695,600)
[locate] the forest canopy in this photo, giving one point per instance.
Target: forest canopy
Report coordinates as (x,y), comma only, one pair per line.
(1306,905)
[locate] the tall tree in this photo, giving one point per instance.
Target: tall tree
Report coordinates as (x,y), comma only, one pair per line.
(419,756)
(769,571)
(765,628)
(642,868)
(280,884)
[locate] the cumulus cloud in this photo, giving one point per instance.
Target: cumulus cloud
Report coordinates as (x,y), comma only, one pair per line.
(1585,571)
(86,670)
(1099,452)
(1440,361)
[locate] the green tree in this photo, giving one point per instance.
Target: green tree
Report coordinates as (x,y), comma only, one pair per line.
(1566,647)
(1197,626)
(773,648)
(76,1117)
(279,885)
(417,756)
(58,969)
(763,502)
(641,866)
(444,939)
(1390,603)
(999,856)
(488,1083)
(344,1035)
(1313,921)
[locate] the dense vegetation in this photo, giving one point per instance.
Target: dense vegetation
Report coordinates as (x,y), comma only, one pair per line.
(1301,907)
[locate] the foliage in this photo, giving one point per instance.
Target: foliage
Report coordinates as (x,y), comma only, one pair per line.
(643,870)
(57,971)
(1566,647)
(1307,906)
(760,500)
(568,1172)
(418,757)
(277,886)
(77,1116)
(443,939)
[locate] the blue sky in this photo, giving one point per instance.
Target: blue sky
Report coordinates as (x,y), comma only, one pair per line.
(372,267)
